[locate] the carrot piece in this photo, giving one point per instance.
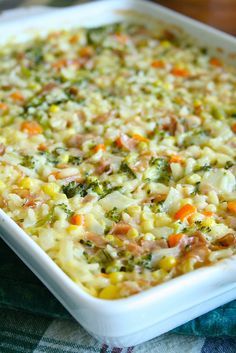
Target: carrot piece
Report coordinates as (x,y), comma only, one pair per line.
(208,213)
(191,219)
(233,127)
(176,159)
(59,64)
(232,206)
(158,64)
(174,239)
(99,147)
(55,174)
(119,142)
(176,71)
(74,39)
(42,147)
(17,97)
(77,219)
(215,62)
(121,38)
(31,127)
(185,211)
(140,138)
(86,52)
(3,106)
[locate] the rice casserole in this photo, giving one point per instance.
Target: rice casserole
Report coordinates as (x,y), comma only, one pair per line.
(117,153)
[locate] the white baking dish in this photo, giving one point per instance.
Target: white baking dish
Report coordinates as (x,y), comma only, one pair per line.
(130,321)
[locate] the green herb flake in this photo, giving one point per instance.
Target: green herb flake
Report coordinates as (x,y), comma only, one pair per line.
(162,168)
(66,209)
(145,261)
(228,164)
(114,215)
(196,188)
(124,168)
(28,162)
(73,188)
(75,160)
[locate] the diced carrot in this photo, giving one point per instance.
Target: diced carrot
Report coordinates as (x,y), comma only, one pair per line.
(185,211)
(176,159)
(208,213)
(17,97)
(86,52)
(55,174)
(119,142)
(121,38)
(74,39)
(233,127)
(31,127)
(176,71)
(215,62)
(59,64)
(77,219)
(140,138)
(174,239)
(232,206)
(191,219)
(99,147)
(42,147)
(3,106)
(158,64)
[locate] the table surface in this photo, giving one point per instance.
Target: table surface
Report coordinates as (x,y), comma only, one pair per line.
(217,13)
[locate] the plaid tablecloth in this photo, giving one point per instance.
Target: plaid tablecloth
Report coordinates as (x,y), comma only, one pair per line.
(27,326)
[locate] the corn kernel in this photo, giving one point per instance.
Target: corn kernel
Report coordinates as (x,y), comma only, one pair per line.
(132,233)
(51,189)
(162,220)
(72,228)
(211,208)
(188,265)
(165,44)
(109,292)
(167,263)
(64,158)
(34,86)
(118,242)
(197,102)
(148,236)
(142,146)
(186,201)
(134,210)
(26,183)
(116,277)
(147,225)
(167,85)
(159,274)
(54,108)
(208,222)
(2,185)
(193,179)
(110,237)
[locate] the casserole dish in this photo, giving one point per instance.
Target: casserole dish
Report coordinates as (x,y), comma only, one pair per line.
(211,286)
